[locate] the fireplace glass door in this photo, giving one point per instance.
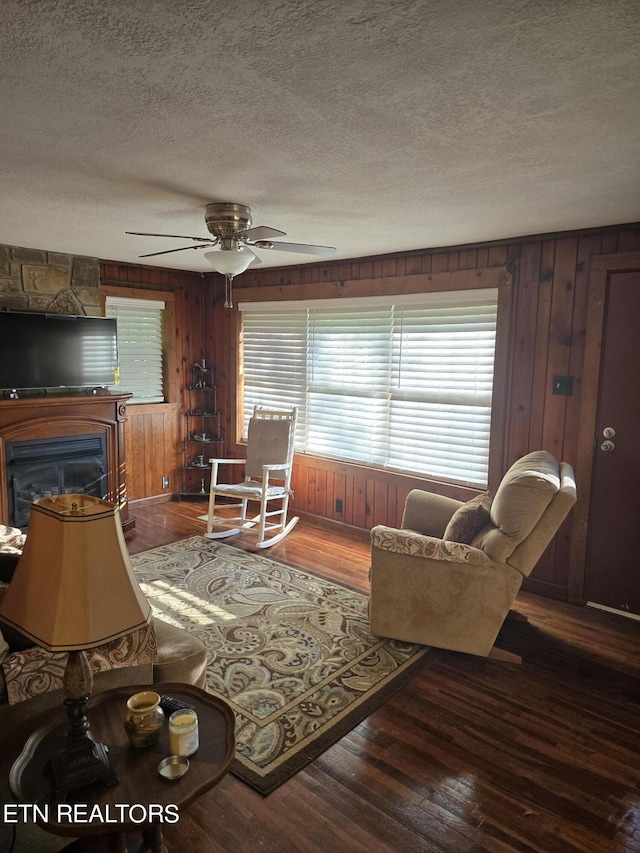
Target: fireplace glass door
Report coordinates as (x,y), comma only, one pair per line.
(58,466)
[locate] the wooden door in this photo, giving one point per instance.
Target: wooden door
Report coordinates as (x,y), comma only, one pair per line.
(613,552)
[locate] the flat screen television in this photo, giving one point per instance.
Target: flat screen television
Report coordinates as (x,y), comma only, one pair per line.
(40,351)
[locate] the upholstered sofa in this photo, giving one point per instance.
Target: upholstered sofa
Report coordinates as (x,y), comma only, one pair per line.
(160,653)
(448,578)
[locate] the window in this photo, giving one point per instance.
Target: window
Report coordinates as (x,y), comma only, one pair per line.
(399,382)
(140,346)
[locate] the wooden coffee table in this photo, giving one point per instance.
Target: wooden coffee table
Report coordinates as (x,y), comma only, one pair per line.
(140,784)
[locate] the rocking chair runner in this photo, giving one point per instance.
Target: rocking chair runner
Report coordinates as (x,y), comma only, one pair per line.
(269,457)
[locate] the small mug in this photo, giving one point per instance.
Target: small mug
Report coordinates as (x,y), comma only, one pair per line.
(144,718)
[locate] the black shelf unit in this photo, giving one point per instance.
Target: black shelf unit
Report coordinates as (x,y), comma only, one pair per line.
(202,439)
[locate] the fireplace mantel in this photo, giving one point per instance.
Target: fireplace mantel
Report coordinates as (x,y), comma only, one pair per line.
(33,418)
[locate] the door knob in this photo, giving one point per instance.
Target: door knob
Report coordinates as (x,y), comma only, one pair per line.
(607,446)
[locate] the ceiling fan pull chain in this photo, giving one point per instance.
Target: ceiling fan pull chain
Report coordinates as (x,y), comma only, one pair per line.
(228,295)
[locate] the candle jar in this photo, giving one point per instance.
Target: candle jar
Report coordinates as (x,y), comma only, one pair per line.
(183,732)
(144,719)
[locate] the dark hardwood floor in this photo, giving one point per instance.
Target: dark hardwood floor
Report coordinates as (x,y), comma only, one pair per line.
(472,755)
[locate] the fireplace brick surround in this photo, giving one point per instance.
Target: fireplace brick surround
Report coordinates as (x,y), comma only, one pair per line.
(36,418)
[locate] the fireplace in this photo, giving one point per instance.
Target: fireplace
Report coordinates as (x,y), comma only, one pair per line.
(53,466)
(93,420)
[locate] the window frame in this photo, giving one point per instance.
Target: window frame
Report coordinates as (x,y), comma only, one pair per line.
(169,372)
(491,277)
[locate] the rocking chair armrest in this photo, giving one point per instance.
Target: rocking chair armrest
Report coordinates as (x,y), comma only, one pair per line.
(229,461)
(274,466)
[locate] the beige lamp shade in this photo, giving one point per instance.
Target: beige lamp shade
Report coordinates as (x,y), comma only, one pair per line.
(73,587)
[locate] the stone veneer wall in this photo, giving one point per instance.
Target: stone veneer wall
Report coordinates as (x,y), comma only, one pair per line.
(37,280)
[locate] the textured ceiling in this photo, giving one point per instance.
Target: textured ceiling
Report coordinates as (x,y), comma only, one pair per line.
(371,126)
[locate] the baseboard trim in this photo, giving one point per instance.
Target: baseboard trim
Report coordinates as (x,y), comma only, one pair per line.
(614,611)
(358,533)
(153,499)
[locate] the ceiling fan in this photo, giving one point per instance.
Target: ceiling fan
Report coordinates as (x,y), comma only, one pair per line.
(233,242)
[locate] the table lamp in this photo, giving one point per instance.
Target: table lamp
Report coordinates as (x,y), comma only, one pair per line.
(74,589)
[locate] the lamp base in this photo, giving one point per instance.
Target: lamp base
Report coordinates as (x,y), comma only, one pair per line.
(83,762)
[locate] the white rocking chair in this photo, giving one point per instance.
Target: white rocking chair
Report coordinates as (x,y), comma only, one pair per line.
(269,457)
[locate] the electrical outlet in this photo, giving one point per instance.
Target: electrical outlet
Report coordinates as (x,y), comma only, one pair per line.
(338,504)
(165,482)
(562,385)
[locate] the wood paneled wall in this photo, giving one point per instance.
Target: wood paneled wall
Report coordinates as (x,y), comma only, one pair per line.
(547,331)
(549,313)
(154,432)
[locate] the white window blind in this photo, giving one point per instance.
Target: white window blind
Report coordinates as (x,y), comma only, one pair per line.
(140,346)
(398,382)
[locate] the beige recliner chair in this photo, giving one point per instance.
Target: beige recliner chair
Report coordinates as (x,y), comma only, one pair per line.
(450,576)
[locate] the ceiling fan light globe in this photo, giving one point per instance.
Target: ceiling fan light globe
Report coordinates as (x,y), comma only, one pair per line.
(230,261)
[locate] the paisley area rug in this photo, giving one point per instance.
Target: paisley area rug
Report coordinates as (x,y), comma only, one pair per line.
(290,651)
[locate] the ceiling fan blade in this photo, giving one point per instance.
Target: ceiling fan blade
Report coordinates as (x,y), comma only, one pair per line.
(178,236)
(303,248)
(182,249)
(260,232)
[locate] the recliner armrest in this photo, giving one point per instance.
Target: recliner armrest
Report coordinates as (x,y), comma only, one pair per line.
(413,544)
(428,513)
